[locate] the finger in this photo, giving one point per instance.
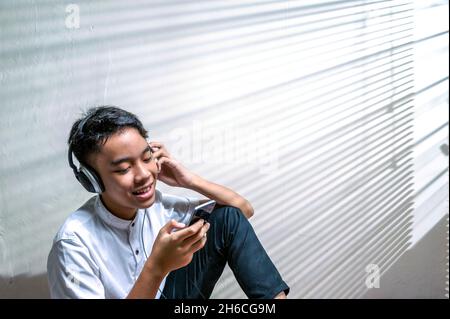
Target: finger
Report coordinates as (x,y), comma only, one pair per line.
(172,224)
(189,231)
(195,238)
(167,161)
(156,144)
(157,147)
(159,163)
(160,153)
(198,245)
(153,147)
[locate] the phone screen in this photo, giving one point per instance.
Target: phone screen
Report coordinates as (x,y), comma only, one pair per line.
(202,211)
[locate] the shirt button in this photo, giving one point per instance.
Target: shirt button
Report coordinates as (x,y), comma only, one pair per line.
(132,224)
(137,251)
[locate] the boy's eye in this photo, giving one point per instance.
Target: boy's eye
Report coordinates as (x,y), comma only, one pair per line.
(123,171)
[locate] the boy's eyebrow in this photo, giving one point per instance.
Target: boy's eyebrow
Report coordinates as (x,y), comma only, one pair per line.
(128,159)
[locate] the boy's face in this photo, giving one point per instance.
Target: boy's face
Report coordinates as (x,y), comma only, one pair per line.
(128,171)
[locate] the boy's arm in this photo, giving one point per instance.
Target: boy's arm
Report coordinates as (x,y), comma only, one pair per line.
(173,173)
(221,194)
(71,271)
(147,284)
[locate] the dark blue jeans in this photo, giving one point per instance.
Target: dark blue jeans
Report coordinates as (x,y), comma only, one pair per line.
(231,239)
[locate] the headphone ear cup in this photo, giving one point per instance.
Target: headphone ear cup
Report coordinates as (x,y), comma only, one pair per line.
(90,180)
(84,180)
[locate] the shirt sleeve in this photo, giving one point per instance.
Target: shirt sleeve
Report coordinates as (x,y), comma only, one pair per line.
(178,207)
(72,273)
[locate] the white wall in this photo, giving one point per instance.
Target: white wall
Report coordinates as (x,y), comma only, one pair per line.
(304,107)
(431,115)
(423,271)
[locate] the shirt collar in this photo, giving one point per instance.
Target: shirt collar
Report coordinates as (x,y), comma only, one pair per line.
(109,218)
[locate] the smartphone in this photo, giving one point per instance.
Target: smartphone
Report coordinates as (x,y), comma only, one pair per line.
(202,211)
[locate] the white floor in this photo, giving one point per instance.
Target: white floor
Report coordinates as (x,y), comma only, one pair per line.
(422,272)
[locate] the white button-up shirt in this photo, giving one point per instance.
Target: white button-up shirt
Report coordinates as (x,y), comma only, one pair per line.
(98,255)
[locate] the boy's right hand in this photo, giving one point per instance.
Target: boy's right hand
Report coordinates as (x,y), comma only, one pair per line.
(173,250)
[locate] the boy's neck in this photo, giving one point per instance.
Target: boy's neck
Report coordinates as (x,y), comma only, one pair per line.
(121,212)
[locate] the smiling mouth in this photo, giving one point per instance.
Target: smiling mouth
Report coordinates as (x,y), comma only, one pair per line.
(143,190)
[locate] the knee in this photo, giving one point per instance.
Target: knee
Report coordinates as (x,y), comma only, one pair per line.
(229,216)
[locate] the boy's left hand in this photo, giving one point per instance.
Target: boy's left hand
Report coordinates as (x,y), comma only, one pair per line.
(171,171)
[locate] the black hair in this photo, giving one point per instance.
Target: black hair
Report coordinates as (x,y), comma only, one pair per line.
(96,125)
